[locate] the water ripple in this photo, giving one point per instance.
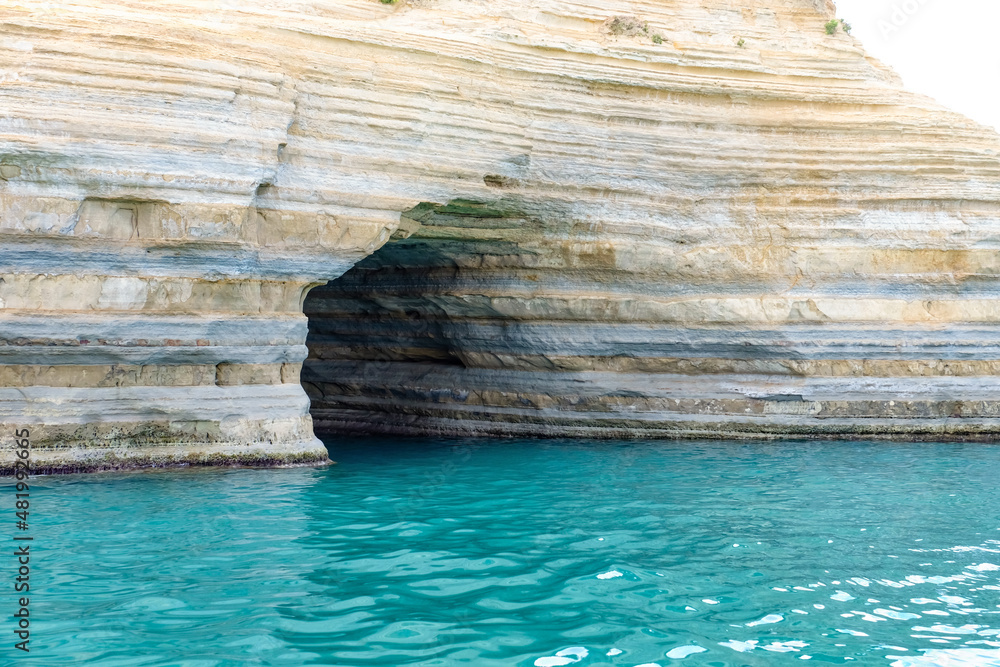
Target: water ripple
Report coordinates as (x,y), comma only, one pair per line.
(531,553)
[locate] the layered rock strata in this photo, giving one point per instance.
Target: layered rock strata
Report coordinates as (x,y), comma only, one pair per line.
(468,328)
(721,219)
(706,239)
(164,207)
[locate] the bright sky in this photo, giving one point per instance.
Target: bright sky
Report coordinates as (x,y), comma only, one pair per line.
(947,49)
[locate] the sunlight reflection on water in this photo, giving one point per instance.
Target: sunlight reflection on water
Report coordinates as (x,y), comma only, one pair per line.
(532,553)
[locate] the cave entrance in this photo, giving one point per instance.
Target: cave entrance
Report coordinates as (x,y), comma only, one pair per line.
(396,334)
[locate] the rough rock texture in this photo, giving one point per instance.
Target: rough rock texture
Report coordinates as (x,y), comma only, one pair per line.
(172,180)
(748,227)
(693,238)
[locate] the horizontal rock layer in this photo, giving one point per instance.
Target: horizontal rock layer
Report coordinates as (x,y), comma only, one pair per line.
(719,197)
(531,333)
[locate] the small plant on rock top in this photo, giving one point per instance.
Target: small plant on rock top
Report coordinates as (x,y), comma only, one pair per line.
(831,26)
(741,43)
(628,26)
(846,26)
(657,39)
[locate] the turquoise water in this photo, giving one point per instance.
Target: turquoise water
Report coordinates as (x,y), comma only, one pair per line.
(528,553)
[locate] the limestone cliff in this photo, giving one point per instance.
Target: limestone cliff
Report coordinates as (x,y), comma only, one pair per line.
(703,217)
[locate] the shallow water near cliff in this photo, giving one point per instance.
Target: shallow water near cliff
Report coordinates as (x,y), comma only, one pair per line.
(528,553)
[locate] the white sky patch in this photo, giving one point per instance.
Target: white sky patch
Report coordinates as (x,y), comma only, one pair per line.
(963,657)
(984,567)
(767,620)
(742,647)
(897,615)
(567,656)
(682,652)
(784,647)
(853,633)
(942,48)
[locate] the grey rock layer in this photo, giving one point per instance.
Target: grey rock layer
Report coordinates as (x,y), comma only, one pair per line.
(442,334)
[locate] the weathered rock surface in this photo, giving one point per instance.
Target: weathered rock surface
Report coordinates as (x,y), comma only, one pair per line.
(747,228)
(689,239)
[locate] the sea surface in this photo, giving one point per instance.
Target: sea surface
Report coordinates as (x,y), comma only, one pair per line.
(525,553)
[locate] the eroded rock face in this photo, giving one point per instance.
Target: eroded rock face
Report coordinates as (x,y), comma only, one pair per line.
(168,192)
(696,238)
(459,330)
(722,219)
